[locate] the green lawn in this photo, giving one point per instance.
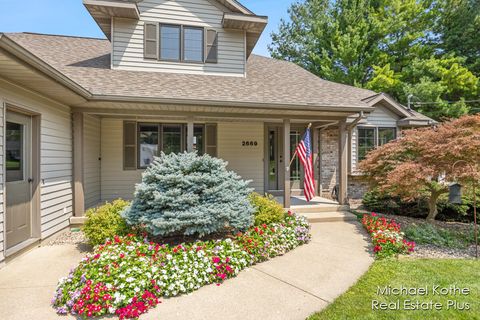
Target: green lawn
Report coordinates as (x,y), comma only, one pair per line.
(356,303)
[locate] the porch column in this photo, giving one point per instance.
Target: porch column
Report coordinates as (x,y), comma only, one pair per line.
(190,134)
(286,157)
(343,163)
(78,193)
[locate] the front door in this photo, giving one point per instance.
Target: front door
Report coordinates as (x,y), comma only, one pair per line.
(276,162)
(275,159)
(18,145)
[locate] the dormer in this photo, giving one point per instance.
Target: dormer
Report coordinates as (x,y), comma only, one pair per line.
(212,37)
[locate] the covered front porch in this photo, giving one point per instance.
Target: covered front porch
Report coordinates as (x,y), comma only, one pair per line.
(114,143)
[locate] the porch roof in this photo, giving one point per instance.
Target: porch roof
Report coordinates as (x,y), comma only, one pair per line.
(85,62)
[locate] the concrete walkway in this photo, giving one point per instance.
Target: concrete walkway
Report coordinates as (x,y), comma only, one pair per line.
(289,287)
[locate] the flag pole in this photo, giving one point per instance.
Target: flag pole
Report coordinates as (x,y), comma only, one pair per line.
(295,154)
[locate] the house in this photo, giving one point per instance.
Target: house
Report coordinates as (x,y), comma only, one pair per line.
(81,118)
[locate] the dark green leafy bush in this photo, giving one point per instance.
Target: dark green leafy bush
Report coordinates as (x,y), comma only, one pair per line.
(427,233)
(267,209)
(383,203)
(105,222)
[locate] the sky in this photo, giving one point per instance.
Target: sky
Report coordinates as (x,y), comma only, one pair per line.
(69,17)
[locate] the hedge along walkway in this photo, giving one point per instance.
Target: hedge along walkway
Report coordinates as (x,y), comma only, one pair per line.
(293,286)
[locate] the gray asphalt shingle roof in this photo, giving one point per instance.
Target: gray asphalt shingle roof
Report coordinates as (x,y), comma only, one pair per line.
(86,61)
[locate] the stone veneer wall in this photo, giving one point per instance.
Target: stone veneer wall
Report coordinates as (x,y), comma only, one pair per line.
(329,161)
(329,168)
(357,187)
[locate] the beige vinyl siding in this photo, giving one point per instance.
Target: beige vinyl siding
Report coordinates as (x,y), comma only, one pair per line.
(128,38)
(55,155)
(2,182)
(116,183)
(380,117)
(91,160)
(247,161)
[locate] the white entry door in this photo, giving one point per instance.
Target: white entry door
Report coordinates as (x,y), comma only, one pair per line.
(18,151)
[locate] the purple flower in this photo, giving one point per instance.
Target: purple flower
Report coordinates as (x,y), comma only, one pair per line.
(62,310)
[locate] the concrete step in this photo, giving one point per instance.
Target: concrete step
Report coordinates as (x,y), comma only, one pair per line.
(319,208)
(332,216)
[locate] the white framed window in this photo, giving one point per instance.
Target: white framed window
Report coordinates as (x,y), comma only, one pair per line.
(368,138)
(170,42)
(193,44)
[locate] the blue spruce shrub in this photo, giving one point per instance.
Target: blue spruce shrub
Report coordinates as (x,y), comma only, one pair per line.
(191,195)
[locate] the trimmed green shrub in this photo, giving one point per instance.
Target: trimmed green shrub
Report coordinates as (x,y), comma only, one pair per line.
(267,209)
(191,195)
(105,222)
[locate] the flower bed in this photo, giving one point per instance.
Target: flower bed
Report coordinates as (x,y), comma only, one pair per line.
(127,275)
(387,238)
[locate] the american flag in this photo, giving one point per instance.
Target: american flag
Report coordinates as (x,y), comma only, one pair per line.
(304,151)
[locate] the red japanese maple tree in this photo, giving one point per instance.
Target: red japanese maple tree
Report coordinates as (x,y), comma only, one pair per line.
(421,162)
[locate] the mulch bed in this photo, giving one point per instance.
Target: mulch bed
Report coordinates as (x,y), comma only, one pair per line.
(68,237)
(77,237)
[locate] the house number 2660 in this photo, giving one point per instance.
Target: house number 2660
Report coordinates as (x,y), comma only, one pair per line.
(249,143)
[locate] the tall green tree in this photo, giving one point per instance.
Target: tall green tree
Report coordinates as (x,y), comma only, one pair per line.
(342,40)
(458,29)
(440,86)
(392,46)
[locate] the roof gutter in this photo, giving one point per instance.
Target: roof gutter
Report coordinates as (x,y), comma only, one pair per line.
(356,121)
(26,56)
(240,104)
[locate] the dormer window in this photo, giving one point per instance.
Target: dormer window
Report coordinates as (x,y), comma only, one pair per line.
(180,43)
(193,44)
(170,42)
